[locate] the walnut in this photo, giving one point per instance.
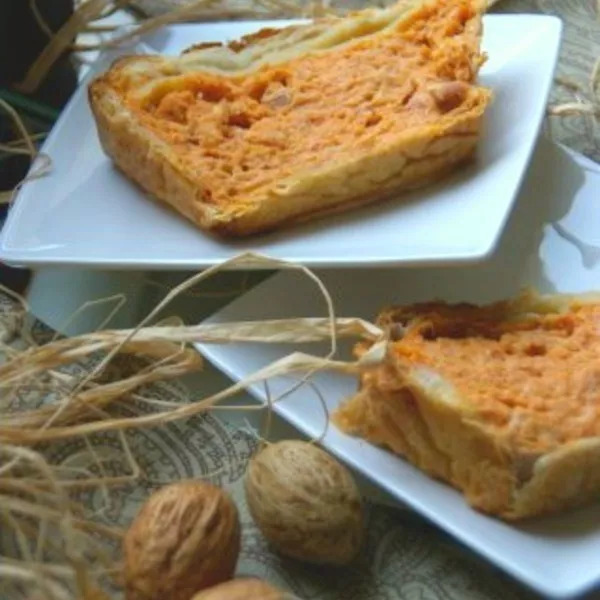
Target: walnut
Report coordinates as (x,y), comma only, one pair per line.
(246,588)
(185,538)
(305,503)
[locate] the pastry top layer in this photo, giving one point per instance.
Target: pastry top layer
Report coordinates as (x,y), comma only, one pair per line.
(259,114)
(529,374)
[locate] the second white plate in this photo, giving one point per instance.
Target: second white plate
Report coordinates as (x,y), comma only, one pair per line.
(552,242)
(86,213)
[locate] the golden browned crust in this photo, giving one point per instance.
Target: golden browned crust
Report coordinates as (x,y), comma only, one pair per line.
(146,159)
(151,164)
(418,414)
(410,162)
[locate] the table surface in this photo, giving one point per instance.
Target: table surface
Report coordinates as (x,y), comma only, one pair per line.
(404,556)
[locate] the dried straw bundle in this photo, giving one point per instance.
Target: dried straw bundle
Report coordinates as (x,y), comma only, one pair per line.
(587,98)
(24,143)
(46,538)
(47,399)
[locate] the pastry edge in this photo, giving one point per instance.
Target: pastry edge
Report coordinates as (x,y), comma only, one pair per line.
(151,163)
(437,432)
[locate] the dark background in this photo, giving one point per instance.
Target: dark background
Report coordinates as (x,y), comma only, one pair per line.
(22,39)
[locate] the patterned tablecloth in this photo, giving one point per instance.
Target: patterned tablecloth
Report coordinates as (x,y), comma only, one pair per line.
(579,52)
(404,557)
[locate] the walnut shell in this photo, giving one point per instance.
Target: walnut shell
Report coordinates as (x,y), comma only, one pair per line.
(246,588)
(185,538)
(305,503)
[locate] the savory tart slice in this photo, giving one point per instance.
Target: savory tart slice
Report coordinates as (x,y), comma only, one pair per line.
(501,401)
(286,125)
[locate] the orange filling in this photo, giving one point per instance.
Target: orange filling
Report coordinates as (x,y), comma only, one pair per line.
(243,133)
(535,380)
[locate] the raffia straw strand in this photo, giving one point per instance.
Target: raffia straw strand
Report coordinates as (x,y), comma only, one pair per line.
(23,544)
(95,482)
(275,4)
(41,539)
(16,297)
(111,9)
(16,119)
(31,509)
(119,299)
(33,136)
(17,531)
(100,28)
(192,10)
(14,150)
(39,491)
(293,363)
(191,294)
(42,165)
(99,395)
(95,398)
(573,108)
(247,259)
(567,83)
(321,398)
(91,400)
(87,403)
(595,79)
(141,341)
(34,460)
(15,506)
(59,42)
(26,574)
(8,466)
(582,106)
(44,505)
(39,359)
(102,485)
(268,413)
(146,26)
(45,567)
(36,360)
(39,19)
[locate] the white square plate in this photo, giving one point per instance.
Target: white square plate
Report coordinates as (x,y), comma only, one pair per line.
(86,213)
(552,242)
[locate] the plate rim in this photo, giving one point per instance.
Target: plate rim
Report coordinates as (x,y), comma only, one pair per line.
(24,257)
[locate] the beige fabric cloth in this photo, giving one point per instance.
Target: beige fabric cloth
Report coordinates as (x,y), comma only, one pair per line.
(580,49)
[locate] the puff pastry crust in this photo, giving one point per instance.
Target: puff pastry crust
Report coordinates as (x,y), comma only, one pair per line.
(283,126)
(501,401)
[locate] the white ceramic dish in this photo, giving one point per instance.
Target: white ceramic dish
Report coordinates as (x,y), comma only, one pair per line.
(552,242)
(85,213)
